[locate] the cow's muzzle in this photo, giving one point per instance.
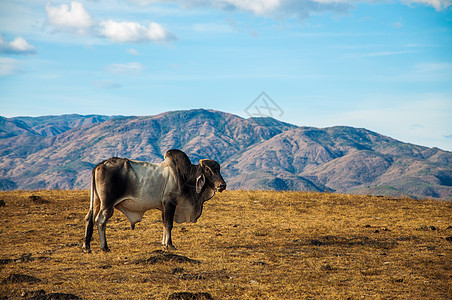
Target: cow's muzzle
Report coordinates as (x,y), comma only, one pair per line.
(221,187)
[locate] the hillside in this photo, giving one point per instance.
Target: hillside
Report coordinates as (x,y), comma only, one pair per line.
(46,125)
(343,159)
(59,152)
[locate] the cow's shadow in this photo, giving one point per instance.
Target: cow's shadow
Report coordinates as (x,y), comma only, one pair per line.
(159,256)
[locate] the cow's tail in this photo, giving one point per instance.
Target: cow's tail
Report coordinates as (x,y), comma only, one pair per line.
(91,215)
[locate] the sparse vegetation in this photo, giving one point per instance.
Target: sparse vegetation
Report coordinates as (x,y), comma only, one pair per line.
(246,245)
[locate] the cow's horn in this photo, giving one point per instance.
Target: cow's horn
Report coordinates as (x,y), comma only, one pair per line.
(201,161)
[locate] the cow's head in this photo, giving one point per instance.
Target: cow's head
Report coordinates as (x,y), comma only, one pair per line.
(210,176)
(198,184)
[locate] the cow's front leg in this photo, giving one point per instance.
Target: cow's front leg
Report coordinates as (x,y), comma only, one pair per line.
(169,209)
(104,215)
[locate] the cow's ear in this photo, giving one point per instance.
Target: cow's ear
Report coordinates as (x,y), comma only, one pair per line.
(200,181)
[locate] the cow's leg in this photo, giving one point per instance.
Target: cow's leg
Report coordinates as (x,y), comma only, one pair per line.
(88,231)
(168,217)
(104,215)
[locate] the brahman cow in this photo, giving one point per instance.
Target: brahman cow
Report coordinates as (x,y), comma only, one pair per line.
(175,186)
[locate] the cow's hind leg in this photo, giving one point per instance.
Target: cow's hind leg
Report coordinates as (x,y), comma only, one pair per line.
(168,217)
(104,215)
(88,231)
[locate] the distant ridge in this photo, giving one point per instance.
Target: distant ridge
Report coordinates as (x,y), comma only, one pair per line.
(46,125)
(58,152)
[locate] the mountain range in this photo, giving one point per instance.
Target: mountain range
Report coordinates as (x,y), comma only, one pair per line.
(59,152)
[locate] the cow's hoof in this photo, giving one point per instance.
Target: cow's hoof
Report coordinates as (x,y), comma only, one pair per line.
(169,247)
(106,249)
(86,249)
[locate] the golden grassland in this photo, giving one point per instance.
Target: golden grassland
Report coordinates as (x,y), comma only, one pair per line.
(249,245)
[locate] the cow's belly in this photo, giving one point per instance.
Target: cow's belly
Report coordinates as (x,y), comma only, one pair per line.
(138,205)
(134,209)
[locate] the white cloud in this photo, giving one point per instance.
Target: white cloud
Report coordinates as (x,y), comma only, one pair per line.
(146,2)
(279,8)
(75,18)
(127,32)
(9,66)
(437,4)
(106,84)
(259,7)
(17,46)
(287,8)
(128,68)
(133,51)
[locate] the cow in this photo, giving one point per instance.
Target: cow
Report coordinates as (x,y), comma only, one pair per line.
(176,187)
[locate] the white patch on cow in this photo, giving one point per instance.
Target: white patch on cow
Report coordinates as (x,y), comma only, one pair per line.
(127,207)
(155,183)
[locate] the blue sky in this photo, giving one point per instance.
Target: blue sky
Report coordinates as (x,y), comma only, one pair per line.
(382,65)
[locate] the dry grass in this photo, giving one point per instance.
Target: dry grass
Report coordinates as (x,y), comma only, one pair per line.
(250,245)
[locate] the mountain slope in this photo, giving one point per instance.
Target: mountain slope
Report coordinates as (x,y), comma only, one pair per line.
(64,161)
(46,125)
(255,153)
(345,159)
